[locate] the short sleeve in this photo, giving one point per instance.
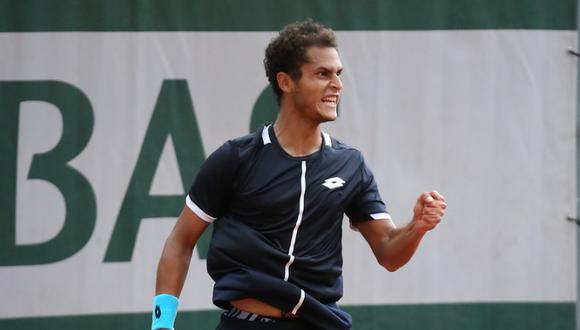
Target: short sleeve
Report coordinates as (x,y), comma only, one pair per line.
(211,191)
(367,203)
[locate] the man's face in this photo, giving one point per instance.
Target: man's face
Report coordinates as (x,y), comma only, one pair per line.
(317,92)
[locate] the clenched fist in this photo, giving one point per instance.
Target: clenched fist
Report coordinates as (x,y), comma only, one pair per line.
(428,211)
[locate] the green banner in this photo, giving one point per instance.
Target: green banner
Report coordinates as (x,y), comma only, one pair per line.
(267,15)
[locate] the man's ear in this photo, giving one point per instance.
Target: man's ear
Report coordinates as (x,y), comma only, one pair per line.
(285,82)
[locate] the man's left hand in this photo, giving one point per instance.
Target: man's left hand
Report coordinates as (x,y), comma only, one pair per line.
(428,211)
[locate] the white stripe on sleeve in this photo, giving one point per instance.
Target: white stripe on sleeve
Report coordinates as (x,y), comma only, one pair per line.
(200,213)
(379,216)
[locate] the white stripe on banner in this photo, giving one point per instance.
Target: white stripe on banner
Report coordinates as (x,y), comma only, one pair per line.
(479,115)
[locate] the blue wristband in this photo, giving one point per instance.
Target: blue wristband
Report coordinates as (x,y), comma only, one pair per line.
(164,311)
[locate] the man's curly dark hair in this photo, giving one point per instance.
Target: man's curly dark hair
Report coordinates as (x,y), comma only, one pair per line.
(287,52)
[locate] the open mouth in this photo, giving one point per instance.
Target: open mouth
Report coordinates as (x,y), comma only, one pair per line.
(330,100)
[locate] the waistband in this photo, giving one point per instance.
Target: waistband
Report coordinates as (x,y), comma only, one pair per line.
(253,317)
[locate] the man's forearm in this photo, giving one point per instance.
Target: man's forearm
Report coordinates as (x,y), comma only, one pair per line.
(173,266)
(176,255)
(399,247)
(172,269)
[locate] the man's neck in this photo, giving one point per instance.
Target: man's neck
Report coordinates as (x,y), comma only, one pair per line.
(297,135)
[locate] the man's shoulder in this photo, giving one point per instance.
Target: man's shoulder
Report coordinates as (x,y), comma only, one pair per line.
(344,149)
(244,140)
(243,145)
(340,145)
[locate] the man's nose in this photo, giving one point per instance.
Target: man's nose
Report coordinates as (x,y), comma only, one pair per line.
(337,83)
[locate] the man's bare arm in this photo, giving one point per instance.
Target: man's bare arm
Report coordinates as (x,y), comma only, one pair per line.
(393,247)
(176,256)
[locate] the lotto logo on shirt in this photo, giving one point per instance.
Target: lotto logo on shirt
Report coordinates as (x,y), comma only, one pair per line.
(333,183)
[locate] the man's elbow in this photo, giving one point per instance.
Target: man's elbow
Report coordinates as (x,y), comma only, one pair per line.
(390,265)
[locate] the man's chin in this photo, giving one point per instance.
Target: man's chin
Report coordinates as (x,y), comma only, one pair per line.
(331,116)
(328,115)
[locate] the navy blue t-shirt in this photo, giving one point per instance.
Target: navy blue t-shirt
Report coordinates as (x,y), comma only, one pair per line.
(278,222)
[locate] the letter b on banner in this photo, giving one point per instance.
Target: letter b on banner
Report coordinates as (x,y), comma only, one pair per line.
(51,166)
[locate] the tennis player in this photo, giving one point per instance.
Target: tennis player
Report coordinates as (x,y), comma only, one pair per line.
(277,198)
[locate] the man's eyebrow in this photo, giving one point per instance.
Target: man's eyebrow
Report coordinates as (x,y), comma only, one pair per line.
(325,68)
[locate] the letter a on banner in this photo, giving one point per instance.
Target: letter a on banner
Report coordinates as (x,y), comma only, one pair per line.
(173,117)
(51,166)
